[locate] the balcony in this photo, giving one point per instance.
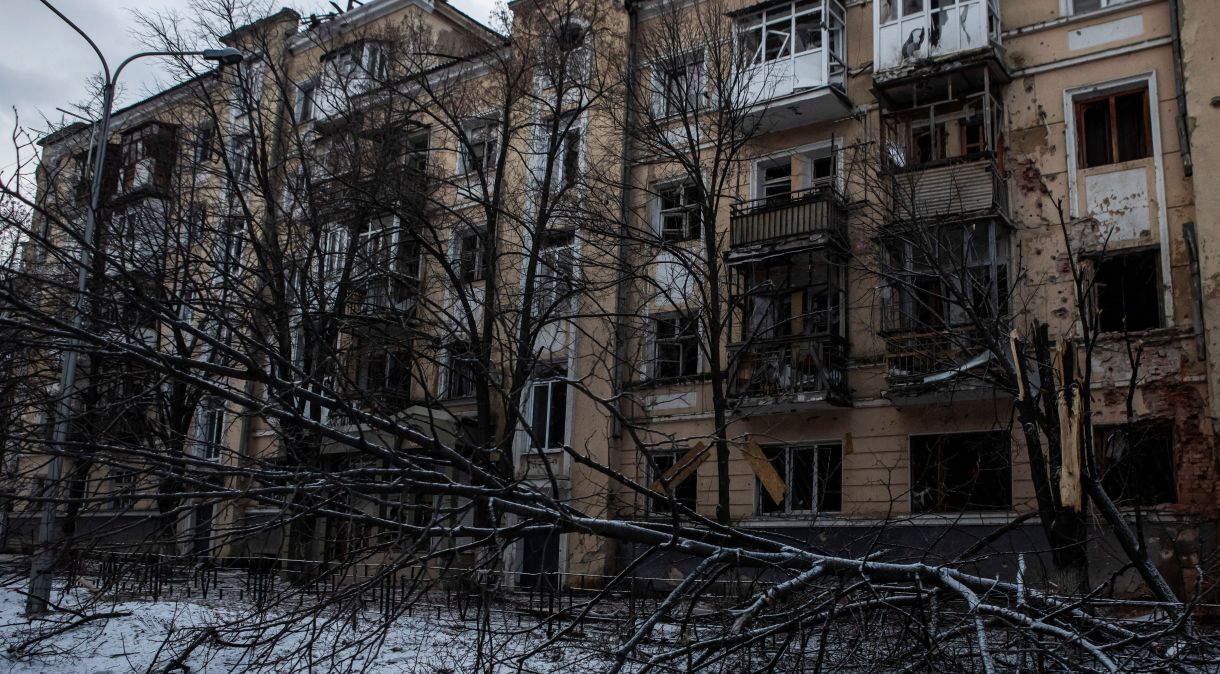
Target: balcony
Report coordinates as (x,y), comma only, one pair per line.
(949,190)
(919,364)
(912,36)
(795,54)
(802,371)
(818,213)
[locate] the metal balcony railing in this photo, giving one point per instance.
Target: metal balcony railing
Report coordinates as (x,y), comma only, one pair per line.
(818,210)
(789,366)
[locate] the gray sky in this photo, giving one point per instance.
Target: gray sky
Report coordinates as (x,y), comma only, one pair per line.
(44,64)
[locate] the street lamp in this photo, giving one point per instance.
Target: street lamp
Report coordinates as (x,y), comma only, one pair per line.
(42,563)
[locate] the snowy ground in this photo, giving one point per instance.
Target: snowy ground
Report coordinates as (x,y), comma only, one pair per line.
(147,635)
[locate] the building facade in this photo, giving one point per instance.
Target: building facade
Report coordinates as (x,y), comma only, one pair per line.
(796,241)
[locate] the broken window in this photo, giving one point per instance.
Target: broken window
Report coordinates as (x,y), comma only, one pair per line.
(681,212)
(548,413)
(812,475)
(684,492)
(307,101)
(1127,291)
(676,345)
(211,430)
(943,276)
(482,143)
(462,371)
(1113,128)
(204,146)
(1136,463)
(383,363)
(792,296)
(775,181)
(781,31)
(929,143)
(556,275)
(471,263)
(680,88)
(147,157)
(961,472)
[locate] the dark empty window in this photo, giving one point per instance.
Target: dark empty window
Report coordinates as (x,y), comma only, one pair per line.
(677,347)
(812,475)
(1136,462)
(962,471)
(205,142)
(928,143)
(463,371)
(1113,128)
(549,408)
(1128,289)
(472,265)
(685,492)
(681,213)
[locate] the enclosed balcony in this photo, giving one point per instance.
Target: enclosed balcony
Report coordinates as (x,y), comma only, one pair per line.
(911,35)
(791,347)
(958,189)
(817,214)
(794,55)
(946,287)
(945,159)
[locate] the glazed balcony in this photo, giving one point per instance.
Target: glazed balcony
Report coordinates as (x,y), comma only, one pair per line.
(912,35)
(795,56)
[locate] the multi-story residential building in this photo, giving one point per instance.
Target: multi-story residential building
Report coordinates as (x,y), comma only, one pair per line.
(902,182)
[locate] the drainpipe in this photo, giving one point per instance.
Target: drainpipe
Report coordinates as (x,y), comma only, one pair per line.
(1179,81)
(620,327)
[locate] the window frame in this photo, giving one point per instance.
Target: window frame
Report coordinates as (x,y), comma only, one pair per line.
(661,461)
(1006,435)
(1070,9)
(687,336)
(689,208)
(1137,469)
(550,377)
(1079,105)
(680,86)
(787,13)
(480,152)
(815,495)
(1158,288)
(555,279)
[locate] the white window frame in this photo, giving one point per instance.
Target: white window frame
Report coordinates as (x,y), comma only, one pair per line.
(482,147)
(760,21)
(1068,7)
(1149,80)
(550,289)
(210,430)
(692,93)
(558,379)
(789,448)
(654,360)
(683,210)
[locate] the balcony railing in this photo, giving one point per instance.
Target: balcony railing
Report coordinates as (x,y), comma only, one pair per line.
(903,39)
(956,188)
(791,367)
(819,210)
(919,361)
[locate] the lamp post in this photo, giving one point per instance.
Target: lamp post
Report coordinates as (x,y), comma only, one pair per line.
(43,561)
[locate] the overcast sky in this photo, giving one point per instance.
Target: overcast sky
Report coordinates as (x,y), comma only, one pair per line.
(43,64)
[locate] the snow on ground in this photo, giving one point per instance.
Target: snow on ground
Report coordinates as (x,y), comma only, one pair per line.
(146,635)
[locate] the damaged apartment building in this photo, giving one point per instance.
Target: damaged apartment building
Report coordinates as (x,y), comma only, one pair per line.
(923,184)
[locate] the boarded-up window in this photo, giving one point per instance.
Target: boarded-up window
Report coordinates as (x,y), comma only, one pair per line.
(685,492)
(813,479)
(960,472)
